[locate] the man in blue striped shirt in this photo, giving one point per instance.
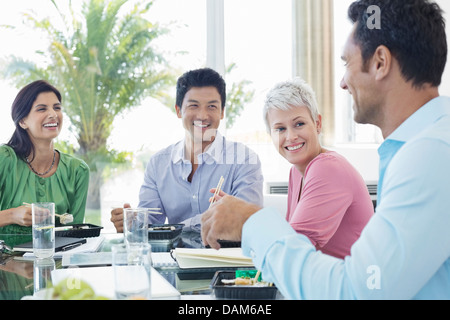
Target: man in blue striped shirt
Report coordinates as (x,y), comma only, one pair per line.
(179,178)
(393,73)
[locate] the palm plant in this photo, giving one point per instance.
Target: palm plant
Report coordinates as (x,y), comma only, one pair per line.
(103,64)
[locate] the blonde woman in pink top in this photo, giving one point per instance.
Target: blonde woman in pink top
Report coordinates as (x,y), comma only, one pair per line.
(328,200)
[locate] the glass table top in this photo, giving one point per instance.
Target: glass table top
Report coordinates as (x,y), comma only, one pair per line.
(21,276)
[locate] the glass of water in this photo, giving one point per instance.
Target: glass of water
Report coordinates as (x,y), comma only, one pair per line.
(43,215)
(135,225)
(132,270)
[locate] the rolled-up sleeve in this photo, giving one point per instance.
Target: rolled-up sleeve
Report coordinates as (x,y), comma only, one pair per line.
(290,260)
(403,252)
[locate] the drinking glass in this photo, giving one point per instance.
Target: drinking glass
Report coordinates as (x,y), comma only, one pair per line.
(135,225)
(43,229)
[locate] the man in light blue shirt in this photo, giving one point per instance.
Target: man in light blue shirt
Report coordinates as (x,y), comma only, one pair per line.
(393,74)
(179,178)
(167,186)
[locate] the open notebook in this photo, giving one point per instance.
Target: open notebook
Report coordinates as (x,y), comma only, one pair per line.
(188,258)
(101,280)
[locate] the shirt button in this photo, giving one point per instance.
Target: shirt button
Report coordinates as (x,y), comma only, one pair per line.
(194,196)
(252,254)
(41,181)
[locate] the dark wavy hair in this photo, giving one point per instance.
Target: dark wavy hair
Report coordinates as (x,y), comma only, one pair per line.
(414,32)
(21,107)
(205,77)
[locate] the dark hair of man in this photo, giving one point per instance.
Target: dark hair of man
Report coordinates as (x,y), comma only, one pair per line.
(21,107)
(414,32)
(205,77)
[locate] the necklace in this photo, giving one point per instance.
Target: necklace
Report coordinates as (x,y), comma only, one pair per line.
(42,174)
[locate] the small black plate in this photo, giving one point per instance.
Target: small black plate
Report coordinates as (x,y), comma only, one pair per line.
(164,231)
(222,291)
(84,230)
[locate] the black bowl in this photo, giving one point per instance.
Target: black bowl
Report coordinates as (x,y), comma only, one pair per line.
(222,291)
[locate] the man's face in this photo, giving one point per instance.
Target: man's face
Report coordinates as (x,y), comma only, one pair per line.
(201,113)
(360,84)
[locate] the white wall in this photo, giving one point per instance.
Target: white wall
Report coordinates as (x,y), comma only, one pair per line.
(363,157)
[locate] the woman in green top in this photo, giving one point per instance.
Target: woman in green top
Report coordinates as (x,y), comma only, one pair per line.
(31,170)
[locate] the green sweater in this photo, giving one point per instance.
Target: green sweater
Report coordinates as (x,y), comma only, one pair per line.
(67,187)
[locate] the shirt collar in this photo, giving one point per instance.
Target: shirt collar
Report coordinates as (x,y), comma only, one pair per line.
(421,119)
(214,151)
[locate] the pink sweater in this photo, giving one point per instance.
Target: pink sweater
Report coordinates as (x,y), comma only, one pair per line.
(334,206)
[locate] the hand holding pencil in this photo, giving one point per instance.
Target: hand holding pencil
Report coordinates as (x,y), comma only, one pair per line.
(216,196)
(218,193)
(225,220)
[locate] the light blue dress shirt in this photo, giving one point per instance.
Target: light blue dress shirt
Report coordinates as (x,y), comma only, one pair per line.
(166,184)
(404,251)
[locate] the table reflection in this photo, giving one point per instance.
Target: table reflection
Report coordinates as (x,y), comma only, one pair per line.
(16,278)
(42,273)
(21,276)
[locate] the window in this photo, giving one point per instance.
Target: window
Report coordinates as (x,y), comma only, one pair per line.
(260,37)
(347,130)
(257,37)
(15,42)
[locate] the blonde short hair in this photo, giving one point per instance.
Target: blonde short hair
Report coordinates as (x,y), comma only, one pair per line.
(290,94)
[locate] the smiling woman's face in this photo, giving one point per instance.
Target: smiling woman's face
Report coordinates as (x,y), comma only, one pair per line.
(295,135)
(44,122)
